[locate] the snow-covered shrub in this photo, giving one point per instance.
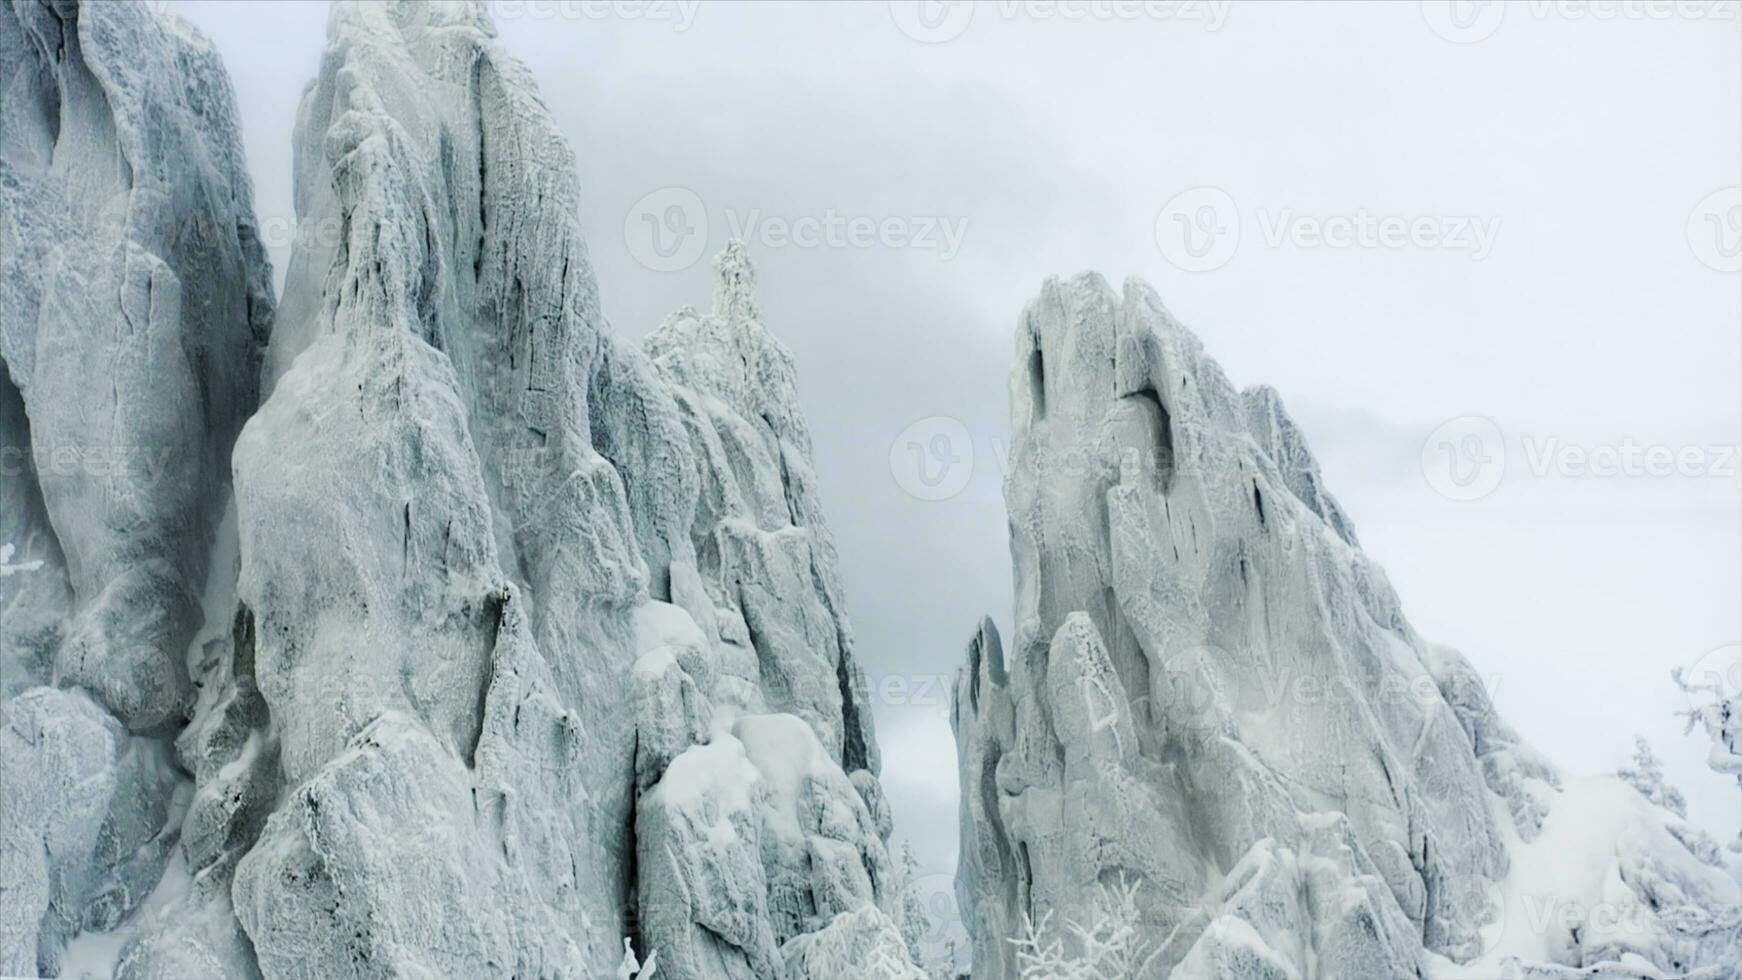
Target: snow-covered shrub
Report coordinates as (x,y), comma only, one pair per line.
(1108,945)
(1646,776)
(1716,708)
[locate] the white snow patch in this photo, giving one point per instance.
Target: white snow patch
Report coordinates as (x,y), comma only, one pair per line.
(655,662)
(660,625)
(96,955)
(787,753)
(720,767)
(1568,877)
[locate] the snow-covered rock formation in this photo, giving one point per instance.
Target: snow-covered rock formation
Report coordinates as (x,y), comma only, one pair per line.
(134,306)
(1214,706)
(492,640)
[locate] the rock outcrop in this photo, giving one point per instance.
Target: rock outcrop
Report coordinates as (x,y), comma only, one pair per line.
(449,636)
(134,308)
(1213,699)
(755,649)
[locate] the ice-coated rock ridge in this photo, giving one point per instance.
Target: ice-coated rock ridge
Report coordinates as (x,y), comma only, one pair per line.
(449,635)
(1215,726)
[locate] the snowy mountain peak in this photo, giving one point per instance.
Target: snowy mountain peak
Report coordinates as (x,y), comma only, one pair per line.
(507,640)
(1215,734)
(735,284)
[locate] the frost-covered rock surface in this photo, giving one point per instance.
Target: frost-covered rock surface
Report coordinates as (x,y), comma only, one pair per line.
(134,303)
(762,830)
(448,635)
(1214,707)
(134,307)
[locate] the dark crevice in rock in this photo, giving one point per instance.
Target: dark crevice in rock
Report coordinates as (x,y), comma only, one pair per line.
(854,752)
(1162,452)
(1037,383)
(496,613)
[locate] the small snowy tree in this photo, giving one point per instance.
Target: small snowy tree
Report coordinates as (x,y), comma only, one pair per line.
(1719,713)
(925,914)
(882,963)
(1109,945)
(1646,776)
(942,965)
(910,917)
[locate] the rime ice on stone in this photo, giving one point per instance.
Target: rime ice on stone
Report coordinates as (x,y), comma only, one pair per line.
(134,303)
(447,673)
(762,849)
(1213,695)
(578,563)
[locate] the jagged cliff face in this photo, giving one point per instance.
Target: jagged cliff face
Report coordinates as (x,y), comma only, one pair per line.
(1214,698)
(493,640)
(1211,690)
(134,305)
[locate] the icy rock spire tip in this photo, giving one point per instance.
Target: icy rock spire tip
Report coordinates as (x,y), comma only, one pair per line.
(735,283)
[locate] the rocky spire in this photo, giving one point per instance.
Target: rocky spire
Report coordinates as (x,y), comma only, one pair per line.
(1214,725)
(735,284)
(511,639)
(134,304)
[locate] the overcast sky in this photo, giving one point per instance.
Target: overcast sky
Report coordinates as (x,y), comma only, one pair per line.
(1398,215)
